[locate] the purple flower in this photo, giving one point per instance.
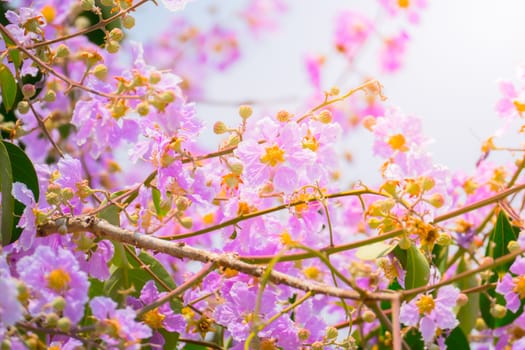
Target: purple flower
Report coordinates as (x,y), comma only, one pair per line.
(28,220)
(10,308)
(161,317)
(51,274)
(121,329)
(430,314)
(513,288)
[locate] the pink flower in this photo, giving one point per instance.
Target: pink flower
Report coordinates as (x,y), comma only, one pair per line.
(512,103)
(219,47)
(411,8)
(352,31)
(259,14)
(313,67)
(28,220)
(393,52)
(430,314)
(513,288)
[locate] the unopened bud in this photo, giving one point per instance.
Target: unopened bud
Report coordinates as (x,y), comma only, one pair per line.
(22,107)
(462,299)
(331,333)
(437,200)
(186,222)
(325,116)
(113,46)
(486,261)
(234,140)
(87,5)
(62,51)
(128,22)
(369,316)
(28,90)
(498,311)
(334,91)
(513,246)
(6,344)
(182,203)
(219,128)
(59,303)
(64,324)
(168,96)
(51,320)
(444,239)
(480,324)
(405,243)
(143,108)
(303,334)
(82,22)
(283,116)
(155,77)
(317,345)
(100,71)
(50,96)
(116,34)
(245,111)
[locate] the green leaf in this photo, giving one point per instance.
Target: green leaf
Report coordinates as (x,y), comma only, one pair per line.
(6,185)
(8,84)
(417,269)
(157,202)
(13,54)
(111,214)
(468,313)
(439,257)
(414,339)
(499,239)
(171,339)
(23,171)
(457,340)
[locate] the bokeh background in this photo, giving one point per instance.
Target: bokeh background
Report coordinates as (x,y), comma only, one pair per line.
(456,55)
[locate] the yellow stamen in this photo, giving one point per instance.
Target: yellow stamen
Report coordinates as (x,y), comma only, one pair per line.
(425,304)
(273,156)
(403,3)
(58,280)
(519,287)
(49,13)
(398,143)
(154,318)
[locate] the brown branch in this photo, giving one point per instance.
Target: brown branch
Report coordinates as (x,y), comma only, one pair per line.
(180,250)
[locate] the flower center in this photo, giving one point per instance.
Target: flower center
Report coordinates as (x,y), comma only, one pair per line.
(397,142)
(519,106)
(154,318)
(267,344)
(312,272)
(49,13)
(425,304)
(113,327)
(58,280)
(310,142)
(519,287)
(403,3)
(273,156)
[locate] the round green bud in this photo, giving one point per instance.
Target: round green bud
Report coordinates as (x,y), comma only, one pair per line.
(59,304)
(498,311)
(245,111)
(128,22)
(462,299)
(325,116)
(23,107)
(317,345)
(50,96)
(143,108)
(303,334)
(155,77)
(219,128)
(100,71)
(51,320)
(82,22)
(28,90)
(64,324)
(182,203)
(62,51)
(234,140)
(444,239)
(116,34)
(369,316)
(513,246)
(87,5)
(113,46)
(331,333)
(186,222)
(168,96)
(480,324)
(405,243)
(6,344)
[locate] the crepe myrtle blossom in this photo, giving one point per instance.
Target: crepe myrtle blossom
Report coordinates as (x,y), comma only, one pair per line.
(175,5)
(351,32)
(393,52)
(430,314)
(118,325)
(11,310)
(52,273)
(161,317)
(513,287)
(411,8)
(27,221)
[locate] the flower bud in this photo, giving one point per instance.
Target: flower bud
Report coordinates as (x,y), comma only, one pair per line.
(219,128)
(168,96)
(369,316)
(128,22)
(437,200)
(51,320)
(143,108)
(325,116)
(317,345)
(64,324)
(513,246)
(283,116)
(22,107)
(331,333)
(62,51)
(87,5)
(303,334)
(444,239)
(6,344)
(234,140)
(186,222)
(100,71)
(486,261)
(245,111)
(182,203)
(155,77)
(28,90)
(82,22)
(334,91)
(50,96)
(480,324)
(498,311)
(462,299)
(116,34)
(113,46)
